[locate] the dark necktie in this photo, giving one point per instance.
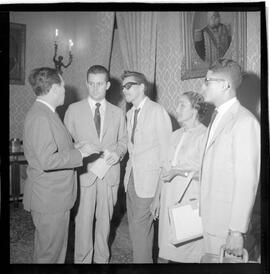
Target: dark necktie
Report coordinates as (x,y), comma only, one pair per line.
(134,124)
(97,118)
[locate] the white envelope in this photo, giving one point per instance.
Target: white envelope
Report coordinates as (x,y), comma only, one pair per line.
(100,168)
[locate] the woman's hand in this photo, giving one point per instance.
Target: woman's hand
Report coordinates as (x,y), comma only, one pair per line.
(167,176)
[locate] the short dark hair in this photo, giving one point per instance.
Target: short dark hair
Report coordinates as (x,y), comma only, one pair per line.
(230,68)
(197,101)
(138,77)
(95,69)
(42,79)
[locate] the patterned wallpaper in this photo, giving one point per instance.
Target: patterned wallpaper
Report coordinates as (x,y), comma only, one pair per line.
(92,34)
(170,54)
(254,43)
(169,58)
(115,94)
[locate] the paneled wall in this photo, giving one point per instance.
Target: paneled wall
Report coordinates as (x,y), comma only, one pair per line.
(92,36)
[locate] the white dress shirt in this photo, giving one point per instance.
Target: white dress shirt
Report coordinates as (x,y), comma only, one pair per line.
(45,103)
(102,110)
(140,106)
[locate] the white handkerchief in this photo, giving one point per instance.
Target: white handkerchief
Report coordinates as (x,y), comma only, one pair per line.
(100,168)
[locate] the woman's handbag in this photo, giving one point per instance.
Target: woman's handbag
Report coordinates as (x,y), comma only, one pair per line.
(184,220)
(224,257)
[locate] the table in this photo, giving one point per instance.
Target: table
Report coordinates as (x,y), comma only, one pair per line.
(15,163)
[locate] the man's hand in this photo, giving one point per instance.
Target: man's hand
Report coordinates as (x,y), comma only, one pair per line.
(86,149)
(167,176)
(80,144)
(235,243)
(111,158)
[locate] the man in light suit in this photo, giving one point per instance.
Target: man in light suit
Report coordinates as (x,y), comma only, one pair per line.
(103,125)
(231,162)
(149,128)
(50,189)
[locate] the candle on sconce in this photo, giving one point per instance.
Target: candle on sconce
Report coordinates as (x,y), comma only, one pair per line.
(56,35)
(70,45)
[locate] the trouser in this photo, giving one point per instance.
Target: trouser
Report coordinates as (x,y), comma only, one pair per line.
(140,224)
(96,200)
(51,236)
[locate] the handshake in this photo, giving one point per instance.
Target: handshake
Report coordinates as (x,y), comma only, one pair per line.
(86,149)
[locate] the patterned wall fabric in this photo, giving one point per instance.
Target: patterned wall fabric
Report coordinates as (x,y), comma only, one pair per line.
(137,35)
(115,94)
(169,57)
(104,30)
(254,42)
(170,54)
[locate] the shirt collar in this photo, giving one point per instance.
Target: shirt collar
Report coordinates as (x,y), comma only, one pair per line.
(45,103)
(140,106)
(224,107)
(92,103)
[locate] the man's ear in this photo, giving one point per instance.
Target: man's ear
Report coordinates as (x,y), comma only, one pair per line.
(142,86)
(226,85)
(54,89)
(108,85)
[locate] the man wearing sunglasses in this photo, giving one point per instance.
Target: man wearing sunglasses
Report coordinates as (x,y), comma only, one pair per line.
(103,125)
(149,129)
(231,162)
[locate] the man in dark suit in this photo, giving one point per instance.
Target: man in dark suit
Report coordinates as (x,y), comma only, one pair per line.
(50,189)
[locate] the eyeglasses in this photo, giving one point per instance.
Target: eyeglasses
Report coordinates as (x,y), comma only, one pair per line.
(129,85)
(207,80)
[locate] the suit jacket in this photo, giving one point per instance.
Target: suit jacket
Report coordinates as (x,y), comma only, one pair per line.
(50,186)
(230,173)
(80,122)
(149,151)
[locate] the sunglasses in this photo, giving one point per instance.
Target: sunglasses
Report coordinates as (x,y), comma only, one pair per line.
(129,85)
(208,80)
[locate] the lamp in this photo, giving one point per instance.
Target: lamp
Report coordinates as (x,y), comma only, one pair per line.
(58,62)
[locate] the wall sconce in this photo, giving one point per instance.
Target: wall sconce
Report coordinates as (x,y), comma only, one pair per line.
(58,63)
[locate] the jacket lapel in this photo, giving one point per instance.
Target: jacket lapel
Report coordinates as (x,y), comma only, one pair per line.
(89,113)
(142,115)
(107,119)
(223,122)
(129,122)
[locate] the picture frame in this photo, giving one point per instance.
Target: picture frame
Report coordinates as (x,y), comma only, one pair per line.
(193,65)
(17,40)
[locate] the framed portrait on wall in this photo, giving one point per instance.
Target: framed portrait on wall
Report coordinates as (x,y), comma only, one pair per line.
(17,54)
(209,36)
